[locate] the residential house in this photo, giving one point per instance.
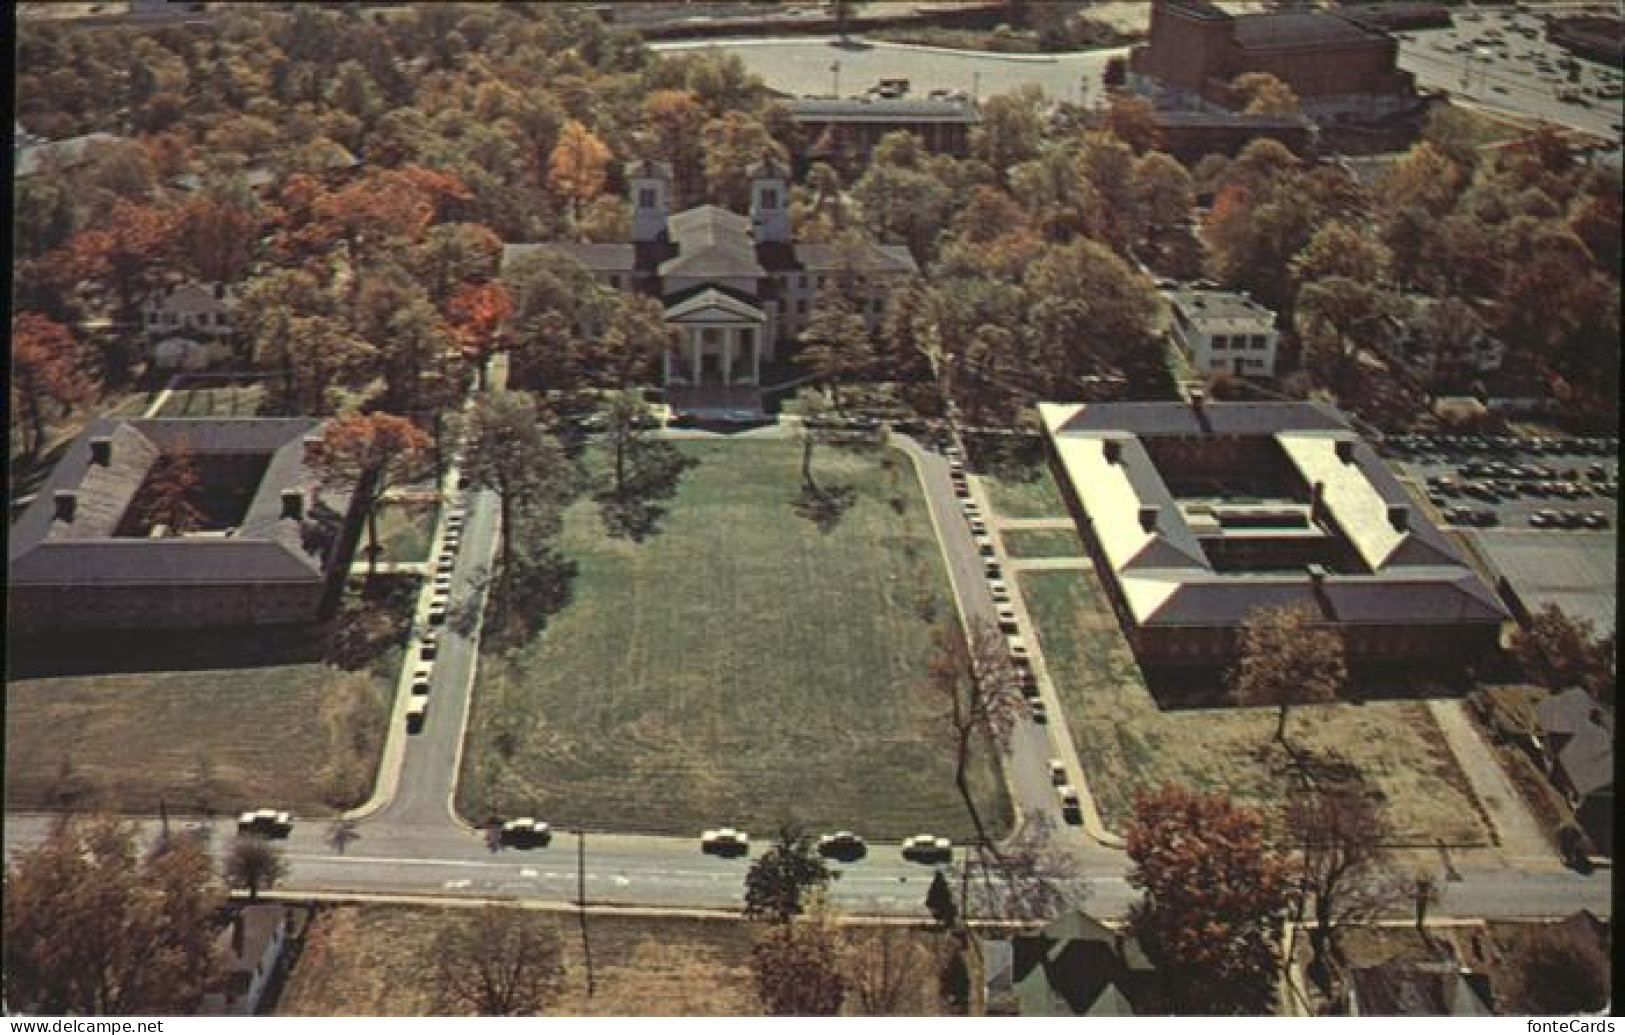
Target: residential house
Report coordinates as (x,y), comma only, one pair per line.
(1578,735)
(271,545)
(190,325)
(35,156)
(1436,355)
(737,288)
(250,948)
(1224,332)
(1074,967)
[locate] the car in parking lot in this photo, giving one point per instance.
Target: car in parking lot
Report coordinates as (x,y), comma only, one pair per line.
(429,645)
(1071,804)
(927,848)
(524,832)
(1596,519)
(1007,617)
(843,844)
(725,841)
(420,680)
(1000,591)
(1039,712)
(266,823)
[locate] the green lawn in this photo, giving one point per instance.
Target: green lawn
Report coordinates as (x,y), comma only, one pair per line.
(1027,491)
(205,723)
(1126,743)
(216,401)
(1041,542)
(738,667)
(405,531)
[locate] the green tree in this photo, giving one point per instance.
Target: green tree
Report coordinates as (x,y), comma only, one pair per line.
(1288,656)
(369,456)
(1557,652)
(1339,317)
(835,345)
(1011,129)
(1163,189)
(777,884)
(1214,894)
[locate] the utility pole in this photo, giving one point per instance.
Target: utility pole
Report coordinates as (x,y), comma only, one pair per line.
(581,902)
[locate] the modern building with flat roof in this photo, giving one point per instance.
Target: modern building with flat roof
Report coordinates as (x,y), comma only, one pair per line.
(1224,332)
(1199,514)
(270,547)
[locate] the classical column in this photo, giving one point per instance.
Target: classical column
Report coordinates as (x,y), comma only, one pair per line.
(755,360)
(694,350)
(730,342)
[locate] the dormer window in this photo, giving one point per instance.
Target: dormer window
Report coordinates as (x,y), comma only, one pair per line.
(647,197)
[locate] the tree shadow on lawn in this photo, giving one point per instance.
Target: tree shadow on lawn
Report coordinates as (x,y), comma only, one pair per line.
(1183,688)
(369,621)
(824,505)
(637,513)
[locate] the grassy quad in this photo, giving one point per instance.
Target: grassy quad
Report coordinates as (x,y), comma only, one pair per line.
(227,400)
(1126,743)
(204,723)
(1041,542)
(405,532)
(738,667)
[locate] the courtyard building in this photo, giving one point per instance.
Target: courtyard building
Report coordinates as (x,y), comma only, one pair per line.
(1199,514)
(1340,67)
(1224,332)
(737,288)
(844,131)
(270,545)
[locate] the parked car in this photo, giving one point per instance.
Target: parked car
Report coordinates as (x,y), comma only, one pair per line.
(1040,713)
(417,712)
(266,823)
(1018,649)
(437,613)
(927,848)
(1596,519)
(420,680)
(991,569)
(1057,772)
(984,546)
(429,645)
(725,841)
(1007,617)
(1071,804)
(525,832)
(1000,591)
(843,844)
(978,527)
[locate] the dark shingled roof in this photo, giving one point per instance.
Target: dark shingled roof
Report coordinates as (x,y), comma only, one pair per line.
(819,109)
(711,242)
(1415,990)
(266,547)
(1299,29)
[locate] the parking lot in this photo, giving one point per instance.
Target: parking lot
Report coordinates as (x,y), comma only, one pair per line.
(1502,58)
(1548,485)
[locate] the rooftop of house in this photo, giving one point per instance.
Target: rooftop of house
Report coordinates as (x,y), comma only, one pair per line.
(1400,989)
(35,156)
(103,470)
(1075,967)
(1220,310)
(1582,735)
(1298,29)
(1309,482)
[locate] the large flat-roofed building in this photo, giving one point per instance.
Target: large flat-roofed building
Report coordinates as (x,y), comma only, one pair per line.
(269,546)
(1224,332)
(1198,514)
(1336,64)
(844,132)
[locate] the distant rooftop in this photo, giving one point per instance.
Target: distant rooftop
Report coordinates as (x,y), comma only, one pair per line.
(1220,310)
(882,109)
(1299,29)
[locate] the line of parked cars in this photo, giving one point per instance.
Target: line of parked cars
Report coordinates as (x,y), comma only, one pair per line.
(428,646)
(1505,445)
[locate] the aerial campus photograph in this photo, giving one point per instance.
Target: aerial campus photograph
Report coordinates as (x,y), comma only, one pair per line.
(992,508)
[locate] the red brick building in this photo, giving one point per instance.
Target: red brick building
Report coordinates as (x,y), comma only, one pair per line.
(1337,65)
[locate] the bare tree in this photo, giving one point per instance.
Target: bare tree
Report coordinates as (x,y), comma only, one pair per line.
(888,970)
(797,971)
(973,679)
(497,962)
(1288,656)
(1342,864)
(255,864)
(1026,878)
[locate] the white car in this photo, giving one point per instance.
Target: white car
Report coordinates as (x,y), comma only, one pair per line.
(447,562)
(442,582)
(978,527)
(725,841)
(265,823)
(842,842)
(1001,592)
(1018,648)
(1071,807)
(524,831)
(927,848)
(1057,772)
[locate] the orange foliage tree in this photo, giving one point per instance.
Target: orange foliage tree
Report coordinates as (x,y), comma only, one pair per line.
(48,365)
(577,167)
(370,455)
(476,313)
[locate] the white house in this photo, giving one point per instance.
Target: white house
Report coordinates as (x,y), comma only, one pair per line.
(250,947)
(190,324)
(1223,332)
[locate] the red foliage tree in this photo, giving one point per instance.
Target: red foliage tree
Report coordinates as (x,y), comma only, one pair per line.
(216,237)
(48,365)
(476,313)
(370,455)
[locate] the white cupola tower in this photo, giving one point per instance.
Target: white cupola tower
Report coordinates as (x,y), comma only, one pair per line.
(770,201)
(649,186)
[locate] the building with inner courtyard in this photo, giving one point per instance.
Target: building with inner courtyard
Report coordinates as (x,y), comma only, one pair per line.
(269,543)
(1198,514)
(737,288)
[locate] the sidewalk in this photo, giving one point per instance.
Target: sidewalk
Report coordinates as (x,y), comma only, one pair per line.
(1520,836)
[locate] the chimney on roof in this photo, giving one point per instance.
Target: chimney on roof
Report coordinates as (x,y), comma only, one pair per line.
(1399,515)
(101,450)
(1113,450)
(1345,450)
(67,502)
(1148,518)
(293,504)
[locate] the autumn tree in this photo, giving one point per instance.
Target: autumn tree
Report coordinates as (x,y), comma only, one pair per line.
(1011,129)
(1133,120)
(1557,652)
(1554,973)
(797,970)
(675,121)
(216,237)
(1340,250)
(453,257)
(1338,318)
(370,456)
(169,494)
(970,679)
(1287,656)
(476,314)
(732,144)
(497,961)
(778,883)
(1214,895)
(1163,189)
(126,250)
(256,864)
(1263,94)
(888,972)
(578,165)
(93,928)
(1341,865)
(1090,315)
(510,453)
(49,366)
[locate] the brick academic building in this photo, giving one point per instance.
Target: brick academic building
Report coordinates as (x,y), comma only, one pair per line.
(1339,66)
